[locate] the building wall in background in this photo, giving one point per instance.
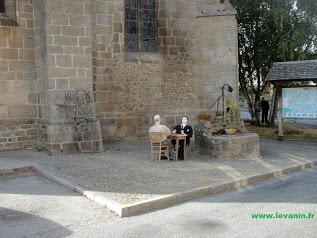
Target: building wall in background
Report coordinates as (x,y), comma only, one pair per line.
(68,84)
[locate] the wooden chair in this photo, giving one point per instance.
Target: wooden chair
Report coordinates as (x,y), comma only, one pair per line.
(157,148)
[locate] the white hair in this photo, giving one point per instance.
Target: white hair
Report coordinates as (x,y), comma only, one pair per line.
(157,118)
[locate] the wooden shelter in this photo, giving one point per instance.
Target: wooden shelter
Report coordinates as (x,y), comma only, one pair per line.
(282,74)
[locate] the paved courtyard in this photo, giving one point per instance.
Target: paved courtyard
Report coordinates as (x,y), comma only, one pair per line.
(125,174)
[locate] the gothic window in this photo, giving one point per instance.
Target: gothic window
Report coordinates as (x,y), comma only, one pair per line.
(140,29)
(1,6)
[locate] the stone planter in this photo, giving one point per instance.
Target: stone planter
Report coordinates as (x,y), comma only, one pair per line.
(231,131)
(243,145)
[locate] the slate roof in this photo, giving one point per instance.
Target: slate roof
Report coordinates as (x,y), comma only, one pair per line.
(293,71)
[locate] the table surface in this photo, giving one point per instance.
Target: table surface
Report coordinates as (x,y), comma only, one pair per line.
(178,135)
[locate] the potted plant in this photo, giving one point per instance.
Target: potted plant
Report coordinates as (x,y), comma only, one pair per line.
(219,117)
(232,117)
(204,116)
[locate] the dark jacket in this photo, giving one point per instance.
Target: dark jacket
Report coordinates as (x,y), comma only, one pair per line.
(187,130)
(265,105)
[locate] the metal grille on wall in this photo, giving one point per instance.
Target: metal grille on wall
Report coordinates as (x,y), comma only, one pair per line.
(140,29)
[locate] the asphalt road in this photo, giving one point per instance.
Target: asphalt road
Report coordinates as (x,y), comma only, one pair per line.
(228,214)
(32,206)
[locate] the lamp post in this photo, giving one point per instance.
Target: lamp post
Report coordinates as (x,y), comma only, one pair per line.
(230,89)
(223,96)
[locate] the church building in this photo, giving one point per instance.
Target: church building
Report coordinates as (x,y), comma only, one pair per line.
(76,74)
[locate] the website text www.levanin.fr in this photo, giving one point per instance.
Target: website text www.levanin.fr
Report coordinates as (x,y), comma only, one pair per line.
(283,215)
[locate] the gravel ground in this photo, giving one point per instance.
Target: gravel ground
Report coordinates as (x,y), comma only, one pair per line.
(125,173)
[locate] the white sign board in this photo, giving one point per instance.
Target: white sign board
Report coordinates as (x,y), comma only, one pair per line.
(300,102)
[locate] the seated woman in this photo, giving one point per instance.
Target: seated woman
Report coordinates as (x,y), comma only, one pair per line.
(185,129)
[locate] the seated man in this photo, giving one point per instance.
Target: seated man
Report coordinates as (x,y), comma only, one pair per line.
(161,128)
(183,129)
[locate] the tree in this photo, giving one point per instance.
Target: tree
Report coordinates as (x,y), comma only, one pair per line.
(272,31)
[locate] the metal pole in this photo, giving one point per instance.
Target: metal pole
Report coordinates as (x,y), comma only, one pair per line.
(223,100)
(280,118)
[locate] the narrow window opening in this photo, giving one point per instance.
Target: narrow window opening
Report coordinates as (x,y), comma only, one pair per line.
(2,9)
(140,27)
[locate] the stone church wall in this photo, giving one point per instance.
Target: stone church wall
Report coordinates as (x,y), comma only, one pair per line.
(67,84)
(18,85)
(67,122)
(196,55)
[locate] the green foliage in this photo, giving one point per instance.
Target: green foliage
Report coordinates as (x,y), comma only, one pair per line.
(291,131)
(232,115)
(218,114)
(272,31)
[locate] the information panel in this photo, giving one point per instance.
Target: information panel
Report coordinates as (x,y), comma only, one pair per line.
(300,102)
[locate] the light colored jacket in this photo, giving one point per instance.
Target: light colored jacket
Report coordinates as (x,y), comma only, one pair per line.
(161,128)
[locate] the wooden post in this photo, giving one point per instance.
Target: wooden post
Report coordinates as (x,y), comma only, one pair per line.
(280,116)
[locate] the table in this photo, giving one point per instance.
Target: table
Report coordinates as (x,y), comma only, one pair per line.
(177,138)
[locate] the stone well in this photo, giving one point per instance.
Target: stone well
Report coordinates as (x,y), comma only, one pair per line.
(244,145)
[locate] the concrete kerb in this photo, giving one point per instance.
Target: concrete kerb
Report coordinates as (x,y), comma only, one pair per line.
(169,199)
(164,201)
(112,205)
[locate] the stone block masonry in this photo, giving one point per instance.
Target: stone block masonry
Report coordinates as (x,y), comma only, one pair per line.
(81,136)
(64,65)
(195,55)
(239,146)
(67,122)
(72,127)
(18,134)
(46,77)
(18,82)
